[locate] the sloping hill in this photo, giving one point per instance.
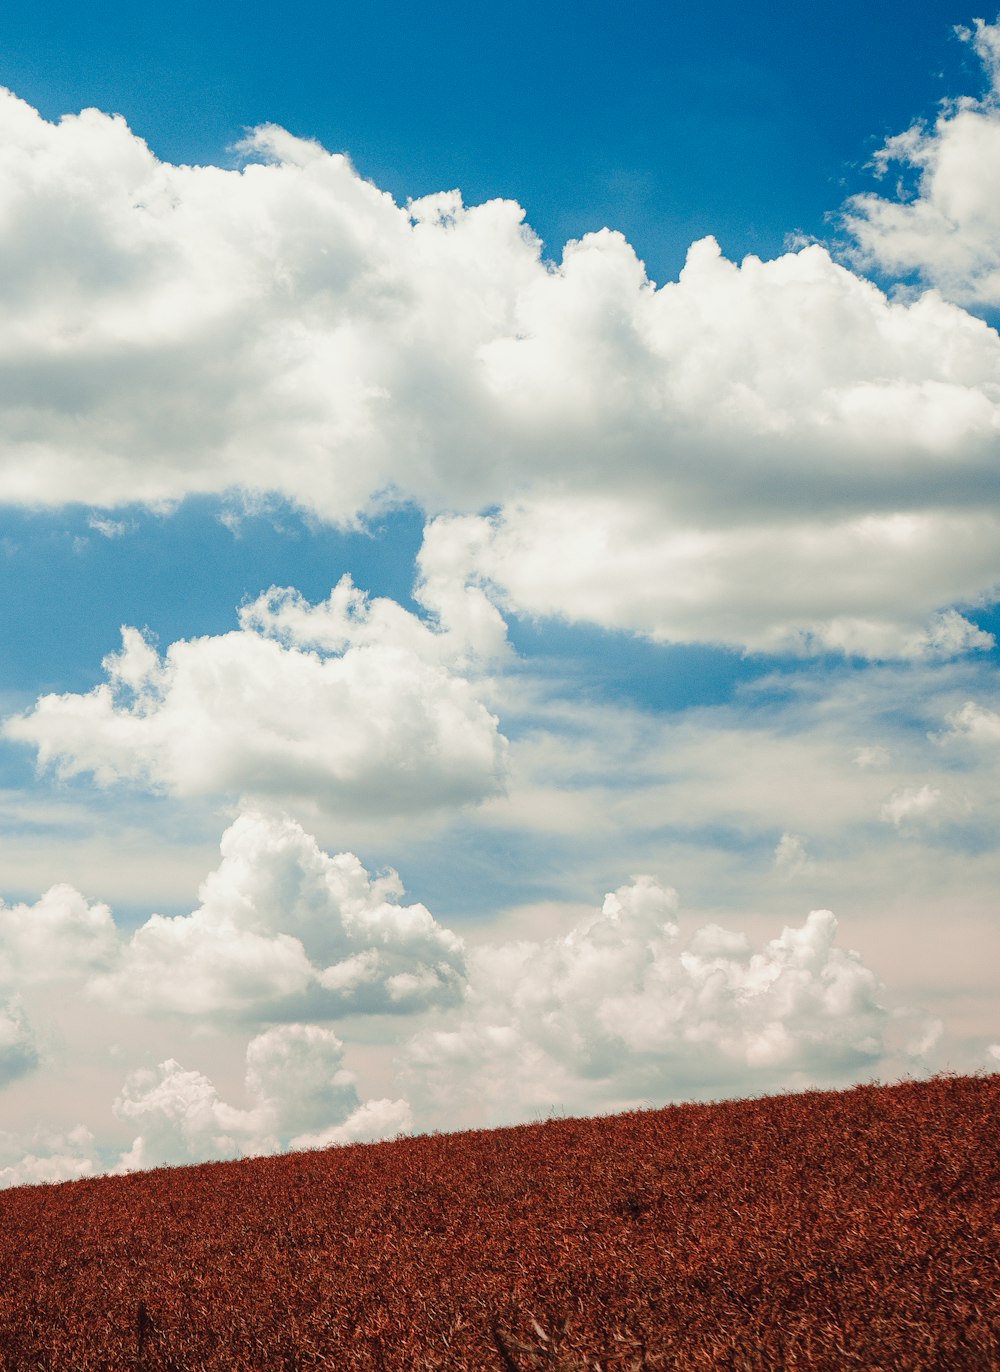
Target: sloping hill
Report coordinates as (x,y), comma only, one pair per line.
(855,1229)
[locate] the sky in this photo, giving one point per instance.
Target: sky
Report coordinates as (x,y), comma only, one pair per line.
(501,532)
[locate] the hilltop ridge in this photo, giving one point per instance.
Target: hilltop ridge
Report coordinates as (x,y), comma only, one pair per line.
(823,1230)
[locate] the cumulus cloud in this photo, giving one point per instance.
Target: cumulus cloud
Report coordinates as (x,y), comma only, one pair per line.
(182,1118)
(283,930)
(910,803)
(354,704)
(61,937)
(973,723)
(295,1074)
(46,1156)
(623,1009)
(770,454)
(947,232)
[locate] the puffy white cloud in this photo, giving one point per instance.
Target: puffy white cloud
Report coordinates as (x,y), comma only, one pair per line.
(622,1009)
(973,723)
(298,1069)
(353,704)
(295,1077)
(46,1156)
(910,803)
(948,231)
(61,937)
(283,930)
(769,454)
(182,1118)
(286,930)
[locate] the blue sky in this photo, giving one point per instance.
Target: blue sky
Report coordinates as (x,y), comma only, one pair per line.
(588,486)
(667,121)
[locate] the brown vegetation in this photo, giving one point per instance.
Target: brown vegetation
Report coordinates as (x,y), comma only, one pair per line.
(827,1230)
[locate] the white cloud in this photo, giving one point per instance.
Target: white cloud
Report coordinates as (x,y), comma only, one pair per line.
(182,1119)
(45,1156)
(622,1010)
(865,586)
(910,803)
(772,454)
(298,1069)
(285,930)
(352,704)
(873,756)
(374,1120)
(948,231)
(108,528)
(295,1077)
(972,723)
(791,857)
(61,937)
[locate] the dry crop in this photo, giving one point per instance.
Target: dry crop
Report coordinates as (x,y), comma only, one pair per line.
(824,1230)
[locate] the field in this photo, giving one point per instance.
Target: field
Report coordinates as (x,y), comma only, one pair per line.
(833,1230)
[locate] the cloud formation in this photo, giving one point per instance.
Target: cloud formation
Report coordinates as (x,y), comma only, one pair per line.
(61,937)
(354,704)
(973,723)
(295,1076)
(286,937)
(623,1009)
(283,930)
(769,454)
(947,233)
(867,586)
(46,1156)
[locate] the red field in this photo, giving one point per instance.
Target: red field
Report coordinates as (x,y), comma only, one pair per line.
(834,1230)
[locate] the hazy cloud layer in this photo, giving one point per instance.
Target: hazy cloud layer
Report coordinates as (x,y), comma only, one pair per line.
(18,1051)
(791,457)
(353,704)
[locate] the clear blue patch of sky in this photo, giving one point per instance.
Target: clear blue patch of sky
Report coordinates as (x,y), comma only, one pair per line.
(987,617)
(480,870)
(665,119)
(602,666)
